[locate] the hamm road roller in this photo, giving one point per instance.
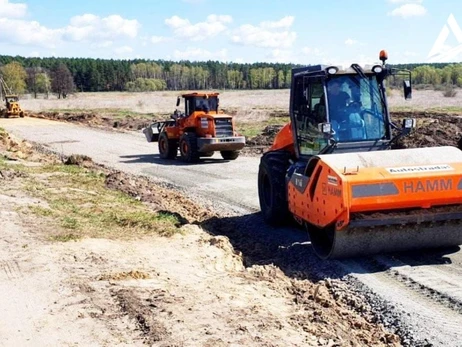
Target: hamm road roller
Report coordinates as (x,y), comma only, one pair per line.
(333,169)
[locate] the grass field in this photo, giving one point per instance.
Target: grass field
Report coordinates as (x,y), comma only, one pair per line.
(252,103)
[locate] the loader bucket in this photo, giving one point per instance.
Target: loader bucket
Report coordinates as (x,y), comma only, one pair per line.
(151,132)
(384,201)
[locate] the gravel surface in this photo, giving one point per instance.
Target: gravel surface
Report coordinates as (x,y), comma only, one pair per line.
(416,295)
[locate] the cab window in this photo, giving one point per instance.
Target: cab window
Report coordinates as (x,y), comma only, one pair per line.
(309,110)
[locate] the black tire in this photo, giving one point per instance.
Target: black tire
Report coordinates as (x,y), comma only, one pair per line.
(188,148)
(21,115)
(168,148)
(229,155)
(206,154)
(272,191)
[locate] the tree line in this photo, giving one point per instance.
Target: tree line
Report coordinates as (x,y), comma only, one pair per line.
(43,75)
(66,75)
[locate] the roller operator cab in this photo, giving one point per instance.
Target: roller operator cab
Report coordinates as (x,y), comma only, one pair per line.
(197,131)
(331,168)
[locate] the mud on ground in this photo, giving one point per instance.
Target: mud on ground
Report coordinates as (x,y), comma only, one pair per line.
(93,119)
(433,129)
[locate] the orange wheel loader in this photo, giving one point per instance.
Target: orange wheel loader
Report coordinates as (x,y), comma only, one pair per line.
(198,132)
(333,171)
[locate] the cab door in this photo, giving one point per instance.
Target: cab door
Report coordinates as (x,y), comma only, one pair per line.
(309,110)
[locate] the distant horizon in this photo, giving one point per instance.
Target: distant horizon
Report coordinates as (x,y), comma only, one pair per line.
(216,61)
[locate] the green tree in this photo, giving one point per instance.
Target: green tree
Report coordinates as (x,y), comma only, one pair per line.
(43,83)
(62,82)
(14,76)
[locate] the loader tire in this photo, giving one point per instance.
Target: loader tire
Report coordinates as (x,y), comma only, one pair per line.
(188,148)
(167,148)
(206,154)
(229,155)
(272,187)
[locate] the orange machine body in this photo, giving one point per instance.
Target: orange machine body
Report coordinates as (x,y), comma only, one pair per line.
(198,131)
(284,139)
(334,193)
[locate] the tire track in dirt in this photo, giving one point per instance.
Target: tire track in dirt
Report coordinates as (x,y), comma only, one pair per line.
(11,269)
(143,313)
(435,284)
(430,320)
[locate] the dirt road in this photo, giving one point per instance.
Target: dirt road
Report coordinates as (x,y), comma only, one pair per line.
(218,182)
(417,295)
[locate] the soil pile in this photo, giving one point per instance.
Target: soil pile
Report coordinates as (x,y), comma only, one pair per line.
(432,130)
(97,120)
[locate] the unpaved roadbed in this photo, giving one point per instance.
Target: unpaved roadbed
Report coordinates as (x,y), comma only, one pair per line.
(193,288)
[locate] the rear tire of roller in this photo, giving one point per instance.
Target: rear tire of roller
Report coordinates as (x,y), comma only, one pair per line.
(272,187)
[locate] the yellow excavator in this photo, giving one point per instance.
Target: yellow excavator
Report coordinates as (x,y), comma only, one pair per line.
(11,109)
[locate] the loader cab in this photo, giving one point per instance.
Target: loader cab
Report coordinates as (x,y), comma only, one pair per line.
(341,110)
(10,99)
(199,102)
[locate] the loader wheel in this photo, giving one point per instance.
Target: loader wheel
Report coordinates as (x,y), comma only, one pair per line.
(21,115)
(206,154)
(188,148)
(272,187)
(229,155)
(167,148)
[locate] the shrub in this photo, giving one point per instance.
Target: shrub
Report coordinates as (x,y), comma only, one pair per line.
(450,92)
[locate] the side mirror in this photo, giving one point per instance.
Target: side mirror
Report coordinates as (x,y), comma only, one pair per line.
(178,101)
(325,128)
(408,125)
(407,90)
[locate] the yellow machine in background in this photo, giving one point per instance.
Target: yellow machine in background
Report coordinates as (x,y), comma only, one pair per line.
(11,108)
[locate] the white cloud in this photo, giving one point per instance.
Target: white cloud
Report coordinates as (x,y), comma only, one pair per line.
(350,42)
(199,54)
(409,10)
(213,25)
(284,23)
(159,39)
(10,10)
(86,28)
(267,34)
(21,32)
(89,27)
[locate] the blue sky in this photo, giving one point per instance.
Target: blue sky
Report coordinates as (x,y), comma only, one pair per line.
(288,31)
